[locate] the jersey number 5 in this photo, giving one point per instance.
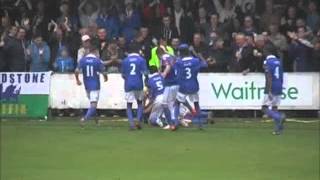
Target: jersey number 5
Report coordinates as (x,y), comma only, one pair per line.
(159,85)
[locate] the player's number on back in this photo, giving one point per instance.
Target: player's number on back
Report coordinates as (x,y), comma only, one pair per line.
(89,70)
(276,72)
(188,73)
(133,69)
(159,85)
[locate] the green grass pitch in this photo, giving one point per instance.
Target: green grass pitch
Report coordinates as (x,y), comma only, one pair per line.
(235,150)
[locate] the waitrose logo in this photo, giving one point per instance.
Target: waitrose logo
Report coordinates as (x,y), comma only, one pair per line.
(248,91)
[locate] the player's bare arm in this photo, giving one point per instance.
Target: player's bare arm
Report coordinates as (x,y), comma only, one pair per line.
(269,83)
(76,73)
(166,71)
(105,76)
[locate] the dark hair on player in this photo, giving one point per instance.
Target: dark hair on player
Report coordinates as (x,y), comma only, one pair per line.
(184,52)
(153,69)
(94,46)
(271,51)
(134,47)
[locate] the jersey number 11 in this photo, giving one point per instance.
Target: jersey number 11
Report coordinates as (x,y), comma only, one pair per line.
(89,70)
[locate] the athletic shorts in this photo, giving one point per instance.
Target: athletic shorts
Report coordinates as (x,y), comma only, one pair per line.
(93,96)
(157,108)
(134,96)
(274,100)
(192,97)
(170,94)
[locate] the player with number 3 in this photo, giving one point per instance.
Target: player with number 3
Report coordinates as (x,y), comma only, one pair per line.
(187,68)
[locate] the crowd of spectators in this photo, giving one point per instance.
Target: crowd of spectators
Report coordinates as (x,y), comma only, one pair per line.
(232,35)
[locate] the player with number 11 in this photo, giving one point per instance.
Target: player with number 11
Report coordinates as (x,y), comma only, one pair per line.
(91,67)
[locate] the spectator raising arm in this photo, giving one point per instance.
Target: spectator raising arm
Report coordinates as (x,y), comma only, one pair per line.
(81,6)
(295,38)
(225,12)
(88,12)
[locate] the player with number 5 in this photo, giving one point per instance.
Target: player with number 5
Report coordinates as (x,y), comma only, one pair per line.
(273,91)
(91,67)
(187,68)
(133,69)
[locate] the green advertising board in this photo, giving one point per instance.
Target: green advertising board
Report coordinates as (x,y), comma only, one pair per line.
(24,94)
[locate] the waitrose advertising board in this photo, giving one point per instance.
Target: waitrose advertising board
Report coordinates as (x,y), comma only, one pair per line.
(217,91)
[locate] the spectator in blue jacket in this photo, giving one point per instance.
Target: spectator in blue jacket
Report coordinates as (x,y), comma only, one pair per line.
(39,53)
(130,21)
(64,63)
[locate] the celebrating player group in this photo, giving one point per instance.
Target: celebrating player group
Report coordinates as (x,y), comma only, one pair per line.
(172,87)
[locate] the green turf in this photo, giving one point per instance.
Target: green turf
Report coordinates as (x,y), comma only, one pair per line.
(60,150)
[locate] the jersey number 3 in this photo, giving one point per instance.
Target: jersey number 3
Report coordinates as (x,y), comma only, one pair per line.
(188,73)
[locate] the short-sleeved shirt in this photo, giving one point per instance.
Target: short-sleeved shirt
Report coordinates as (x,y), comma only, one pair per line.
(273,67)
(91,67)
(155,85)
(187,74)
(133,68)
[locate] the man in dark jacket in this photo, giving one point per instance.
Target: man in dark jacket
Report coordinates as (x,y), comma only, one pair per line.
(3,63)
(166,30)
(242,56)
(184,23)
(300,50)
(14,51)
